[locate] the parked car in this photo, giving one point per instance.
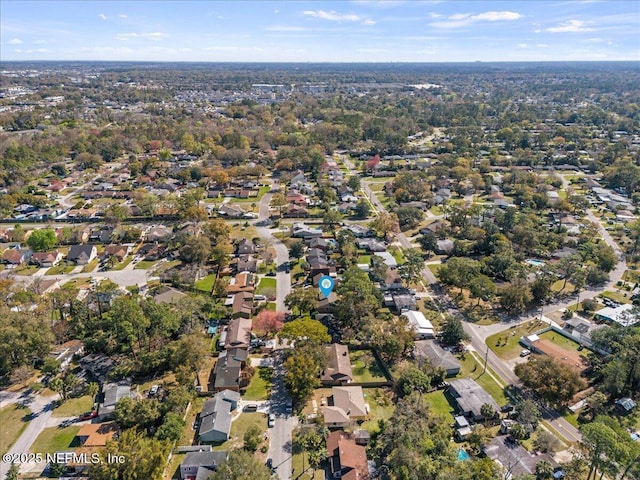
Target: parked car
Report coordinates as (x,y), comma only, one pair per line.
(272,420)
(289,407)
(252,407)
(154,390)
(525,353)
(88,415)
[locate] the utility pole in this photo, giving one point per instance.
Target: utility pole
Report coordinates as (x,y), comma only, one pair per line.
(486,356)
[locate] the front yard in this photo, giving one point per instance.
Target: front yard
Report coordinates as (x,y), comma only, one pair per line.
(54,439)
(238,428)
(74,407)
(506,344)
(13,422)
(259,387)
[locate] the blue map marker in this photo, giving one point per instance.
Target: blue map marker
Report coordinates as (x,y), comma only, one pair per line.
(326,284)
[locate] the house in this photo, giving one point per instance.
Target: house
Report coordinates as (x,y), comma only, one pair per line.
(514,458)
(345,405)
(97,364)
(47,259)
(231,211)
(338,370)
(347,459)
(300,230)
(215,419)
(470,397)
(372,245)
(245,247)
(201,465)
(64,353)
(245,263)
(117,251)
(112,393)
(315,243)
(228,369)
(82,254)
(239,333)
(358,231)
(15,257)
(242,282)
(388,259)
(158,233)
(96,434)
(626,404)
(438,357)
(553,196)
(295,211)
(43,286)
(168,295)
(622,315)
(444,247)
(327,305)
(242,305)
(296,198)
(403,302)
(423,328)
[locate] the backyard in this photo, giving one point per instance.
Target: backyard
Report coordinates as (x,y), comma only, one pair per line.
(439,405)
(365,367)
(563,342)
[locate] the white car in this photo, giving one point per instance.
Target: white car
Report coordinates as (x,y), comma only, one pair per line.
(272,420)
(525,353)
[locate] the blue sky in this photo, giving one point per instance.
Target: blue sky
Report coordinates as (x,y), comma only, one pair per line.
(329,31)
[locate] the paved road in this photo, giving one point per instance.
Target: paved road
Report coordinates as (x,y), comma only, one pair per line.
(124,278)
(283,287)
(280,449)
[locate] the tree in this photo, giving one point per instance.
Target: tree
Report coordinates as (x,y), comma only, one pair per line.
(411,269)
(518,432)
(597,402)
(599,443)
(312,440)
(92,390)
(311,331)
(302,375)
(452,331)
(278,200)
(116,213)
(296,250)
(544,470)
(408,217)
(144,457)
(331,217)
(392,338)
(42,240)
(482,288)
(528,413)
(252,438)
(358,301)
(546,442)
(567,266)
(171,427)
(241,465)
(305,300)
(385,224)
(362,209)
(64,384)
(428,242)
(487,411)
(354,182)
(459,272)
(13,473)
(196,249)
(50,366)
(552,380)
(413,379)
(515,298)
(268,323)
(479,437)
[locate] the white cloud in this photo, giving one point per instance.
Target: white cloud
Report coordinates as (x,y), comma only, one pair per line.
(156,36)
(276,11)
(369,22)
(570,26)
(463,19)
(15,41)
(523,45)
(122,15)
(542,45)
(103,16)
(284,28)
(332,16)
(435,15)
(40,42)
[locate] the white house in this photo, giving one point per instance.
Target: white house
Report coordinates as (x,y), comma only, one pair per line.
(422,327)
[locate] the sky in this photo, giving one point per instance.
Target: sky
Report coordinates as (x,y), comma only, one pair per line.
(320,31)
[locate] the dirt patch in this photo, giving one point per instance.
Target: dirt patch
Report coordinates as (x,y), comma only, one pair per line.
(573,360)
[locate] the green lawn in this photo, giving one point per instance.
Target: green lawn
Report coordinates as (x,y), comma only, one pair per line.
(397,254)
(298,462)
(91,266)
(238,428)
(12,423)
(206,284)
(473,369)
(124,263)
(54,439)
(60,269)
(364,367)
(615,296)
(440,405)
(364,259)
(167,265)
(266,284)
(74,407)
(26,270)
(631,276)
(271,306)
(380,407)
(189,433)
(506,344)
(435,267)
(564,342)
(260,386)
(145,264)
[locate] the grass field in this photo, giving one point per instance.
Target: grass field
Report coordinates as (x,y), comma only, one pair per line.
(299,462)
(91,266)
(563,342)
(167,265)
(506,344)
(440,405)
(145,264)
(615,296)
(124,263)
(238,428)
(266,284)
(74,407)
(54,439)
(380,407)
(26,270)
(188,433)
(12,424)
(260,386)
(631,276)
(472,369)
(60,269)
(206,284)
(365,368)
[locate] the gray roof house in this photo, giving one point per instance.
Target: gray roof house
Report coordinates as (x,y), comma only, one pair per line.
(338,371)
(228,368)
(437,356)
(112,393)
(470,397)
(215,420)
(201,465)
(82,254)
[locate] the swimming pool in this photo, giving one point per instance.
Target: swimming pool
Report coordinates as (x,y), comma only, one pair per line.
(534,263)
(463,455)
